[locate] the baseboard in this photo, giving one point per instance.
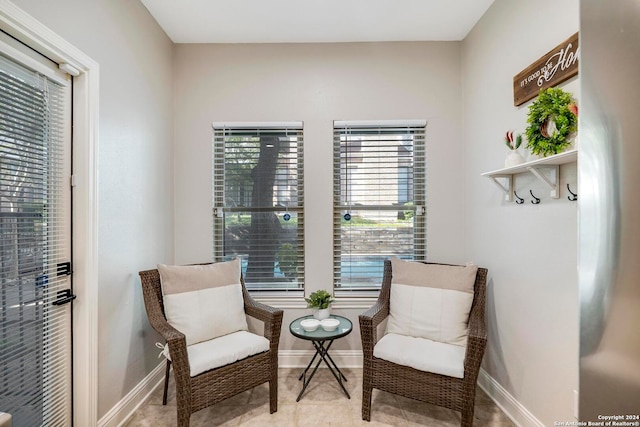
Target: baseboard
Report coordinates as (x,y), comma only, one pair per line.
(125,408)
(506,402)
(300,358)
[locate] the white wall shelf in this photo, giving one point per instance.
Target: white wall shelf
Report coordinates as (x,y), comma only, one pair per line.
(546,169)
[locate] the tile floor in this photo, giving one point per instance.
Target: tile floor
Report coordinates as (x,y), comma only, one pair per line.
(323,404)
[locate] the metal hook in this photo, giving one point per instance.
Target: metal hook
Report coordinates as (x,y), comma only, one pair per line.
(520,199)
(537,201)
(574,196)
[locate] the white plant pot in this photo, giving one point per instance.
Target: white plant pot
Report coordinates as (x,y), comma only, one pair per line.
(322,313)
(513,159)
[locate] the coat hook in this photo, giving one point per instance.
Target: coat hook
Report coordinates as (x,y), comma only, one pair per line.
(574,196)
(520,199)
(537,201)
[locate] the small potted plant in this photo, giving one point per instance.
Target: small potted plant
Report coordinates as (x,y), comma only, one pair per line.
(319,301)
(513,158)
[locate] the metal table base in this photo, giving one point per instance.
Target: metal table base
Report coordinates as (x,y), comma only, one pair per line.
(322,341)
(324,357)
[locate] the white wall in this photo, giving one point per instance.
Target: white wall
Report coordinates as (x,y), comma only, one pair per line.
(531,251)
(317,83)
(135,172)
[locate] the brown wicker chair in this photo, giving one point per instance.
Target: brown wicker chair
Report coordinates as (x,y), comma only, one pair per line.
(215,385)
(453,393)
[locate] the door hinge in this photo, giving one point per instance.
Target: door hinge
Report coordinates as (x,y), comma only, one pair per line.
(72,181)
(64,269)
(64,297)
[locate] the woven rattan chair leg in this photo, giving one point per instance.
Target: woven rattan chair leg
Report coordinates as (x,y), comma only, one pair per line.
(467,418)
(273,396)
(184,416)
(366,403)
(166,382)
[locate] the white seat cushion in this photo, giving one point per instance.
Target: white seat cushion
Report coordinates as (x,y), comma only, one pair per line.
(422,354)
(222,351)
(203,301)
(431,301)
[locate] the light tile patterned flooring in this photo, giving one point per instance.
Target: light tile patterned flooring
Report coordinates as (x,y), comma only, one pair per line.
(323,404)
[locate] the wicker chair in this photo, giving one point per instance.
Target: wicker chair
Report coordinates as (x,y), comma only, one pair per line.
(453,393)
(215,385)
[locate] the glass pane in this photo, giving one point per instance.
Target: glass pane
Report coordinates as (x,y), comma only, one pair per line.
(269,245)
(375,172)
(370,237)
(261,171)
(32,238)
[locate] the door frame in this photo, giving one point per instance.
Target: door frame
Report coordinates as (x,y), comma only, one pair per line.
(30,31)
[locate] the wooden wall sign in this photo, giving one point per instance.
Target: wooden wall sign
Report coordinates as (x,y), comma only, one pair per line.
(556,66)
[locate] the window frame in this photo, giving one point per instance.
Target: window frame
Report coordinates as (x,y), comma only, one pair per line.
(221,207)
(344,129)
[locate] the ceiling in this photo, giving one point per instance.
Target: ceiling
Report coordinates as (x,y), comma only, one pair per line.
(306,21)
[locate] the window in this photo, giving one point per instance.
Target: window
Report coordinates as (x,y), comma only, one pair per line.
(258,202)
(379,199)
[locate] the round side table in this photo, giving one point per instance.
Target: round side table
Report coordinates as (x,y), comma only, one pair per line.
(321,341)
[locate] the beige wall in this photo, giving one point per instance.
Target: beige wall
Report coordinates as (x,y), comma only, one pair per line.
(317,83)
(135,151)
(530,250)
(157,104)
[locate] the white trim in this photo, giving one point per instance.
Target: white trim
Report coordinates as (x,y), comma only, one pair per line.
(124,410)
(36,35)
(9,48)
(19,24)
(301,358)
(506,402)
(359,303)
(256,125)
(85,319)
(378,123)
(342,303)
(281,302)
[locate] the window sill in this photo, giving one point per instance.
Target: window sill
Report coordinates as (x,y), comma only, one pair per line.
(284,300)
(297,301)
(360,303)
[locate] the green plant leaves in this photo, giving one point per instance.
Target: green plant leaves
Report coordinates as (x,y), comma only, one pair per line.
(552,104)
(319,299)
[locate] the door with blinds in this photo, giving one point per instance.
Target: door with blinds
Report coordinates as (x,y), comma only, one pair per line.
(35,239)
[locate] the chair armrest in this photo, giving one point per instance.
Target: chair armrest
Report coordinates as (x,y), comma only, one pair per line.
(369,321)
(271,316)
(160,324)
(177,343)
(476,343)
(175,339)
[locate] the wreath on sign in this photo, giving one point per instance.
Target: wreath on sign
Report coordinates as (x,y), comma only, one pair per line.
(553,118)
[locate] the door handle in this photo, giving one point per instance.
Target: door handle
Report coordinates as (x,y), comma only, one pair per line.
(64,297)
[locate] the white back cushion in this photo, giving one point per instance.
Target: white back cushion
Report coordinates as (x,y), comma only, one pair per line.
(431,301)
(203,301)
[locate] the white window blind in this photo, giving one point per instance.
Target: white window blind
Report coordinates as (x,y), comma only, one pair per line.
(379,199)
(258,215)
(35,350)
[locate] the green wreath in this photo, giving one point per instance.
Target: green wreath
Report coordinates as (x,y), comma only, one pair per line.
(554,105)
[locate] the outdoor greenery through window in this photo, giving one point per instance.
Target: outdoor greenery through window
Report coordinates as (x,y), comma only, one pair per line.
(379,199)
(258,202)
